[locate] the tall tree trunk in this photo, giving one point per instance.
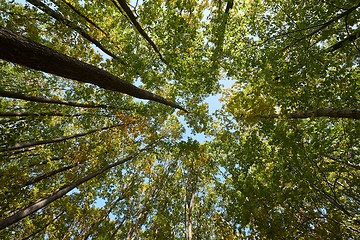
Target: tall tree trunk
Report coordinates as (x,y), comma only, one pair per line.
(26,97)
(132,18)
(350,38)
(54,140)
(18,49)
(51,114)
(49,174)
(60,193)
(189,205)
(44,227)
(70,24)
(102,218)
(353,113)
(83,16)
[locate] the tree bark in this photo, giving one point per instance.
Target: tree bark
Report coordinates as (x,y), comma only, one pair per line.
(26,97)
(18,49)
(353,113)
(54,140)
(59,193)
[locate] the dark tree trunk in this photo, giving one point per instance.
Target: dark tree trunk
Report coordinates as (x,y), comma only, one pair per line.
(26,97)
(18,49)
(349,38)
(132,18)
(70,24)
(59,193)
(54,140)
(49,174)
(352,113)
(44,227)
(83,16)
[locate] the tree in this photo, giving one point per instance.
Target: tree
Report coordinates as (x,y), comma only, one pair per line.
(82,157)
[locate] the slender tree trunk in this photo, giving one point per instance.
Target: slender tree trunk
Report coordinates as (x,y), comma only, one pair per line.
(98,222)
(44,227)
(54,140)
(83,16)
(324,25)
(51,114)
(189,204)
(49,174)
(70,24)
(26,97)
(353,113)
(18,49)
(59,193)
(349,38)
(132,18)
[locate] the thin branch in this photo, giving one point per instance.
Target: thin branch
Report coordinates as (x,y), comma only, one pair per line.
(44,227)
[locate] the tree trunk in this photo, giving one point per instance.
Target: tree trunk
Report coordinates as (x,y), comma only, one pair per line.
(44,227)
(54,140)
(26,97)
(51,114)
(83,16)
(59,193)
(102,218)
(70,24)
(49,174)
(350,38)
(353,113)
(132,18)
(18,49)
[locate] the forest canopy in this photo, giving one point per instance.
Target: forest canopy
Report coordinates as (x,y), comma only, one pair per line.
(107,129)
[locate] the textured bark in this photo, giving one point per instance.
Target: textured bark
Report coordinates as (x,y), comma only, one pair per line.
(26,97)
(132,18)
(70,24)
(59,193)
(54,140)
(18,49)
(353,113)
